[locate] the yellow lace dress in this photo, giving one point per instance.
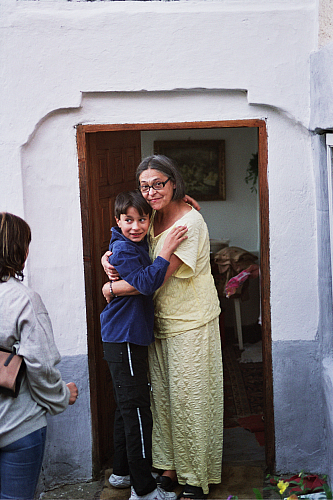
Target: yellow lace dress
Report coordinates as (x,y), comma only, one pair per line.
(185,363)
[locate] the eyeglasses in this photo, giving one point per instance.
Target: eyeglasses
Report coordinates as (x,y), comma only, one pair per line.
(157,186)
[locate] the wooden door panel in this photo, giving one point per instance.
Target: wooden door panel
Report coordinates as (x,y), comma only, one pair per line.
(103,163)
(107,221)
(130,156)
(116,174)
(112,160)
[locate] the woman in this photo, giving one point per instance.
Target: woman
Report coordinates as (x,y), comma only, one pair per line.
(24,320)
(185,361)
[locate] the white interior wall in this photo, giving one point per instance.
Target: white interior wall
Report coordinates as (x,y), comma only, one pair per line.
(235,218)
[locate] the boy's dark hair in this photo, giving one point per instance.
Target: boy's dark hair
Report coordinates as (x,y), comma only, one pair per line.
(167,167)
(15,237)
(133,199)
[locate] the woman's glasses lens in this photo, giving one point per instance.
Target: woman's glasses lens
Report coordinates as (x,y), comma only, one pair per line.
(144,188)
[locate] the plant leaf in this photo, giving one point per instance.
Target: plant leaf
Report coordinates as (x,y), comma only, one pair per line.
(257,494)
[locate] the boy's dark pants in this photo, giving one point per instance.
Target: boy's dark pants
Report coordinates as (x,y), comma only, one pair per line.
(133,420)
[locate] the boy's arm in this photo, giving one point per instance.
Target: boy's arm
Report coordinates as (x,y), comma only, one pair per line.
(136,278)
(140,281)
(132,270)
(148,279)
(172,241)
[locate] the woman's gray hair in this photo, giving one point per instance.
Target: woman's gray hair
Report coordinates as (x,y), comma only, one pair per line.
(166,166)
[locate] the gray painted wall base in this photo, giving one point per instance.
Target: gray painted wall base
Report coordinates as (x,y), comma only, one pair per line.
(299,408)
(68,452)
(325,323)
(328,391)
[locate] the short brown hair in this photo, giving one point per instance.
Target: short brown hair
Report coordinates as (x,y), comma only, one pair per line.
(15,238)
(133,199)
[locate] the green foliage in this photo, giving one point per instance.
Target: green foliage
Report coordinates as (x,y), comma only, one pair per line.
(257,494)
(252,172)
(283,488)
(328,492)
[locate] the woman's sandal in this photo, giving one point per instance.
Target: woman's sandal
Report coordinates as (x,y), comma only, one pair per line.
(165,482)
(194,492)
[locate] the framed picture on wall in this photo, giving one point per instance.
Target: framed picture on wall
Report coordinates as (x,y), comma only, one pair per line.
(202,165)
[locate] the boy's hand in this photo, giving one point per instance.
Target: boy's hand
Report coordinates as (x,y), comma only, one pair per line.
(172,241)
(112,274)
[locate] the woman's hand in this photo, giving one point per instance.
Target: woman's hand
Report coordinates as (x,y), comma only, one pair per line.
(192,202)
(106,292)
(74,392)
(119,288)
(110,271)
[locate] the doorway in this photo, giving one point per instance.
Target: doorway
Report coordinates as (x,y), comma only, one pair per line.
(108,156)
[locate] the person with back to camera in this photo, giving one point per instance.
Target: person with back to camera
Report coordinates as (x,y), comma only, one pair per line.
(185,361)
(24,322)
(127,331)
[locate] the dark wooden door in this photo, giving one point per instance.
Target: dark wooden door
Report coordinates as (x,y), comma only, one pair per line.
(112,159)
(97,144)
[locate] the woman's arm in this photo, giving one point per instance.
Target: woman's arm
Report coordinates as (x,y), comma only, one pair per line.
(192,202)
(109,270)
(41,356)
(73,391)
(119,288)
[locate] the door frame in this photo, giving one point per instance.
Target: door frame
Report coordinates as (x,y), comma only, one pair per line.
(86,196)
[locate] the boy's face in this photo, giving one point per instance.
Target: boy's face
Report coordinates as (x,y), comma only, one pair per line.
(133,225)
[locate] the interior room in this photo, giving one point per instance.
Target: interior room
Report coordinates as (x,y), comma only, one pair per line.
(234,222)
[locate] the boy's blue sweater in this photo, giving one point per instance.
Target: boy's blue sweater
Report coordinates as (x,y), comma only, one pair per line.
(131,318)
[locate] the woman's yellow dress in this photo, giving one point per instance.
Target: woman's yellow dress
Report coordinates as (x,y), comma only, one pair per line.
(185,363)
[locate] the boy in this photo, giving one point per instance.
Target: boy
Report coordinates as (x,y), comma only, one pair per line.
(127,330)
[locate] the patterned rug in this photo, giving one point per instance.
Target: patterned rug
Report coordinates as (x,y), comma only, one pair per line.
(243,387)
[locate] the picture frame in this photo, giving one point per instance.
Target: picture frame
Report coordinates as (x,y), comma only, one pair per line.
(202,165)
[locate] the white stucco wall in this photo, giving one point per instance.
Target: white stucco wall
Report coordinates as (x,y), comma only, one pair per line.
(49,168)
(64,63)
(57,57)
(325,22)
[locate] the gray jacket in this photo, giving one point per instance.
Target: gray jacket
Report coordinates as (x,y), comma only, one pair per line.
(23,317)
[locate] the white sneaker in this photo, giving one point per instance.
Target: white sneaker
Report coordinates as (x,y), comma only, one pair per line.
(120,481)
(157,494)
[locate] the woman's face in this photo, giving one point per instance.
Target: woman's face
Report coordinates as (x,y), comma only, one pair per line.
(157,199)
